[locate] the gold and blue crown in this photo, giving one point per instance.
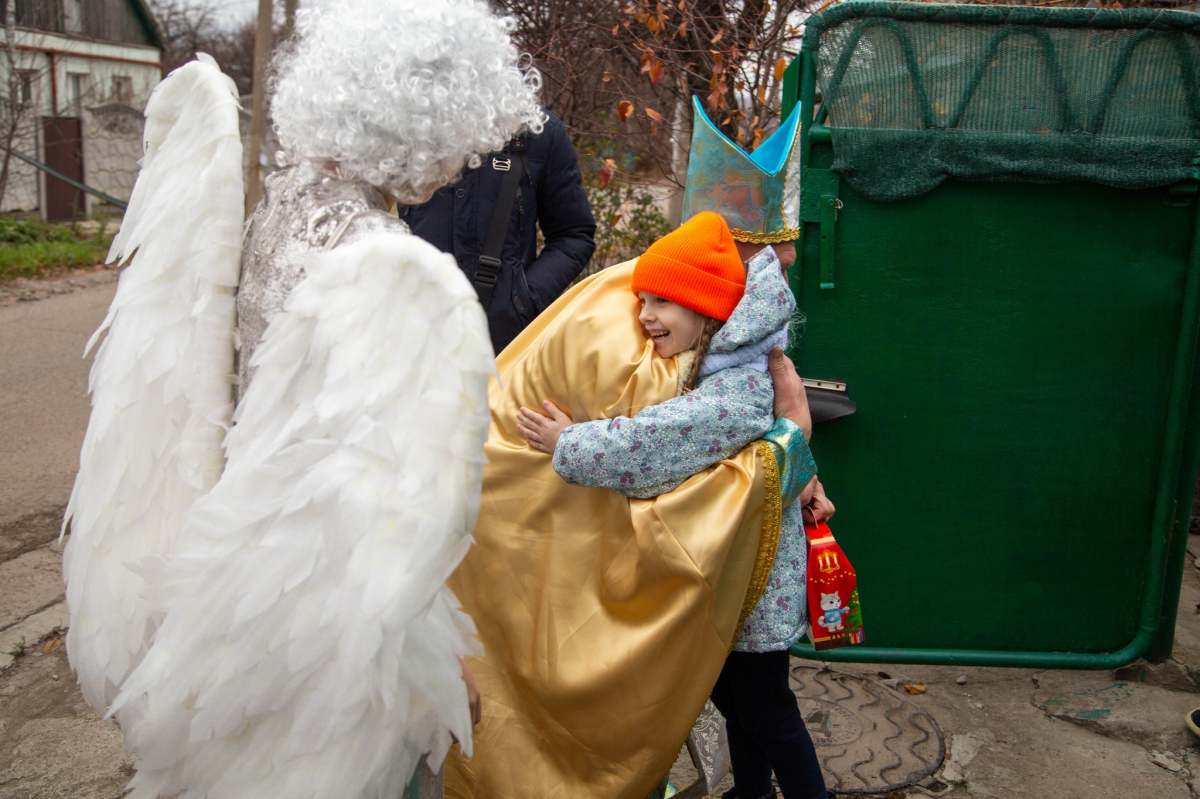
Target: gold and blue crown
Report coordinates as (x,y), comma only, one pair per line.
(757,193)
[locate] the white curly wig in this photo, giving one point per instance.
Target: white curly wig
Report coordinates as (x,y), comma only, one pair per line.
(402,93)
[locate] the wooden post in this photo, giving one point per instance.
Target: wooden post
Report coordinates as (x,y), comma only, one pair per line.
(289,18)
(258,103)
(681,132)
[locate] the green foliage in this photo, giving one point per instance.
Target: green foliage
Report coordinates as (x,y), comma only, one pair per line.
(627,221)
(22,231)
(36,249)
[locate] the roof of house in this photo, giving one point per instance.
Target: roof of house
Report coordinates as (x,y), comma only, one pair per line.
(142,9)
(122,21)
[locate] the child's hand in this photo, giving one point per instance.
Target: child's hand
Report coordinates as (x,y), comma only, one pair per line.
(542,432)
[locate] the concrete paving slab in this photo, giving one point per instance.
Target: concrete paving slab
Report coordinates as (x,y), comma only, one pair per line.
(30,583)
(24,635)
(52,745)
(1142,714)
(31,531)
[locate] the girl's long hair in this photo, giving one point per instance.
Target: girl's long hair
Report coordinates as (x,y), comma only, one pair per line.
(711,328)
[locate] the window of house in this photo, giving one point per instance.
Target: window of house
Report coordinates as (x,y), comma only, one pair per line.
(25,80)
(77,86)
(122,89)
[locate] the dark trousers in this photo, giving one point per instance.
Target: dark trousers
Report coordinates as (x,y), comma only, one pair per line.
(766,732)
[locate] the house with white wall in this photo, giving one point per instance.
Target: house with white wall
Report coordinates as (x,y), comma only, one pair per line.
(85,69)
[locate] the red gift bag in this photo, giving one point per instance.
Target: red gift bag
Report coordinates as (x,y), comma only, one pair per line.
(835,617)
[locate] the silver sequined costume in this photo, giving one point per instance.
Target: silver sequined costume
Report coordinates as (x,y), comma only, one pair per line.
(305,210)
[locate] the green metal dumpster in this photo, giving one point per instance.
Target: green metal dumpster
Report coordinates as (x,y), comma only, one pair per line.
(999,256)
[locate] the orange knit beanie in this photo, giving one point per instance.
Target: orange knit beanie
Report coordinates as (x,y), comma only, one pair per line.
(696,266)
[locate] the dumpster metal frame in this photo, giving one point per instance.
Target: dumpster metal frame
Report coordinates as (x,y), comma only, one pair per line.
(1176,469)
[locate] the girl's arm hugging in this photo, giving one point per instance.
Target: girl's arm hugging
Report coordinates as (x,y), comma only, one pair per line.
(656,450)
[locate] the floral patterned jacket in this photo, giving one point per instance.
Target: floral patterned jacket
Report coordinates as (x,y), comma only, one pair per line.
(657,450)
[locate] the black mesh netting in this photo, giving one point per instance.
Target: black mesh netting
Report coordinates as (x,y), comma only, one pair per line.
(917,93)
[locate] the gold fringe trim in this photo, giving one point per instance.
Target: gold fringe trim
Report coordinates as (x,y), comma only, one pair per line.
(768,543)
(787,234)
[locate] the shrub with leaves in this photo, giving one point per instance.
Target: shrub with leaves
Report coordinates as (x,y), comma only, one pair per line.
(25,231)
(627,218)
(36,249)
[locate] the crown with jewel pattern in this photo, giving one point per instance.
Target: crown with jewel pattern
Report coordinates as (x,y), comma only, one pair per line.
(757,193)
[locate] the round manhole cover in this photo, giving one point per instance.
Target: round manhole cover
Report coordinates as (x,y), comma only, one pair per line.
(869,739)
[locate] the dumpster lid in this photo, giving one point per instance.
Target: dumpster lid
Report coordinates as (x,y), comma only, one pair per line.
(917,93)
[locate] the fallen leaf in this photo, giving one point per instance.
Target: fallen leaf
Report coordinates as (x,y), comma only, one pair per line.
(780,68)
(607,171)
(914,688)
(657,117)
(883,675)
(52,646)
(717,38)
(624,109)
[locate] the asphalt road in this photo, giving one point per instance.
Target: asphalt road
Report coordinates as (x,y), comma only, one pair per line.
(43,397)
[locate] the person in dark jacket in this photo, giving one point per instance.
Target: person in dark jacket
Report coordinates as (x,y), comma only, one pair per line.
(456,221)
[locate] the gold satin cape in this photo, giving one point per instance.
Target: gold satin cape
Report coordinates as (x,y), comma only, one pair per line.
(604,620)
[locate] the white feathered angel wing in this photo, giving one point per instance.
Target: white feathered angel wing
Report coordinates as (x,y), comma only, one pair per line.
(161,390)
(312,649)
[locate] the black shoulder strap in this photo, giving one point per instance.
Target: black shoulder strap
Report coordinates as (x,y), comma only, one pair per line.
(487,271)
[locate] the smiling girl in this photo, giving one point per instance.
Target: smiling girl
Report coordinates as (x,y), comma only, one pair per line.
(718,319)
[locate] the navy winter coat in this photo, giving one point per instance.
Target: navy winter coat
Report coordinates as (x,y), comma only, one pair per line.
(456,219)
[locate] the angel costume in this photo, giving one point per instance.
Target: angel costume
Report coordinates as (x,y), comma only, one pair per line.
(260,541)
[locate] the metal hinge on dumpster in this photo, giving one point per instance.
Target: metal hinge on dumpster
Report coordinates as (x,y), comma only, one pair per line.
(819,203)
